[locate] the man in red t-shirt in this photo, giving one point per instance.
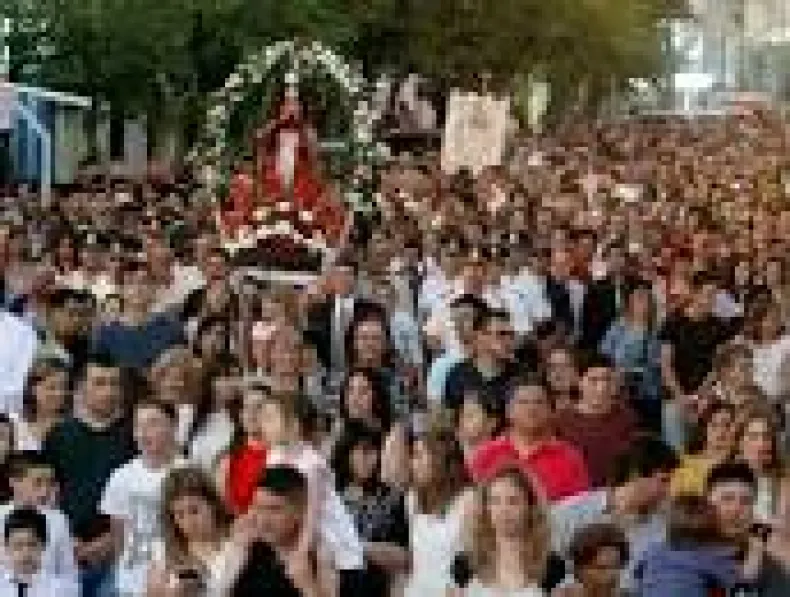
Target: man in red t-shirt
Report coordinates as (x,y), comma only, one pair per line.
(530,442)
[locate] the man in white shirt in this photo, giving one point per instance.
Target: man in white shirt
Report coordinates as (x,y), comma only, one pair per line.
(25,540)
(17,350)
(473,279)
(175,282)
(33,486)
(133,494)
(524,297)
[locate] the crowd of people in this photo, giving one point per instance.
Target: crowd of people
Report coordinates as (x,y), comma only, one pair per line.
(560,377)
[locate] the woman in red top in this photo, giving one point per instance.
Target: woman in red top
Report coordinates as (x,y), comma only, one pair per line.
(240,469)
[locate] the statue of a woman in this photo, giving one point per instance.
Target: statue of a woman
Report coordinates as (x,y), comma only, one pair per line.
(286,158)
(285,177)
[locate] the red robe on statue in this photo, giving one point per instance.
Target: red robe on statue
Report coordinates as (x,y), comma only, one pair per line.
(306,189)
(275,166)
(307,193)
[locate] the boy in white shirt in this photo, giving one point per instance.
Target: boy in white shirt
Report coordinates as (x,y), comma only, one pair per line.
(25,541)
(133,494)
(17,351)
(33,486)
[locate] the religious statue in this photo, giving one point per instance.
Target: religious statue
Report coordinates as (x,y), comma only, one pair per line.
(286,157)
(285,176)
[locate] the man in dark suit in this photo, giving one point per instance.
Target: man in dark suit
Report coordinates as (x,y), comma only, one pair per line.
(329,318)
(587,309)
(604,299)
(559,284)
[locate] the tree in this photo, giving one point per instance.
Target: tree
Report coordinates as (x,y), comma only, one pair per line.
(162,57)
(595,42)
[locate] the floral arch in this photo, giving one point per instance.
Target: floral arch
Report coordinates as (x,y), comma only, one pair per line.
(213,155)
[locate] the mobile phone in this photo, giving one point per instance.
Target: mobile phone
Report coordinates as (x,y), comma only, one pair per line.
(762,530)
(189,575)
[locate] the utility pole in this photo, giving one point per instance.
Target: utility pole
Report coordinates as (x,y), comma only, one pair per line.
(7,104)
(6,66)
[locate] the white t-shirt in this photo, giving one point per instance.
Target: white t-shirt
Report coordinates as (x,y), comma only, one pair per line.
(24,438)
(525,298)
(184,281)
(434,540)
(42,585)
(211,441)
(17,350)
(220,570)
(768,361)
(133,494)
(58,557)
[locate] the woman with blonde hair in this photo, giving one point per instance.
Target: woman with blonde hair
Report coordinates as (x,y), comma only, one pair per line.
(174,378)
(198,555)
(510,542)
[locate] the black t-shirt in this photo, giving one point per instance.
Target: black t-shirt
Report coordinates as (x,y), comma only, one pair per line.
(694,343)
(553,575)
(263,574)
(84,458)
(380,516)
(466,377)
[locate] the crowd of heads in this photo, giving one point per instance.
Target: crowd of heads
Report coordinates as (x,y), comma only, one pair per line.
(553,377)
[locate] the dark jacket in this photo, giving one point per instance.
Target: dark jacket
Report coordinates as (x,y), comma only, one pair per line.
(319,324)
(599,309)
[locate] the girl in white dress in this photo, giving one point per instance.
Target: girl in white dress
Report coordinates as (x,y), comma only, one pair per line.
(510,539)
(437,504)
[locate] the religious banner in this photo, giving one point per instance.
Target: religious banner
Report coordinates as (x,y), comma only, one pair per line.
(475,132)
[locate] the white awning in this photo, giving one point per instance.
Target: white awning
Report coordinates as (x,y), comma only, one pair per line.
(55,96)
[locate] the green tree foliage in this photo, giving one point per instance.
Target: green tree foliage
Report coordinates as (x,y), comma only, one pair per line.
(140,53)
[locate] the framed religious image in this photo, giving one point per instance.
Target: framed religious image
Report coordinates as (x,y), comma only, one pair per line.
(475,132)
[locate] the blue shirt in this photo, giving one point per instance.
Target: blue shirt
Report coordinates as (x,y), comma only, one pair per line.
(138,346)
(688,572)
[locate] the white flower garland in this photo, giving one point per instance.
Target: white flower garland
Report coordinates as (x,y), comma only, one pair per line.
(366,154)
